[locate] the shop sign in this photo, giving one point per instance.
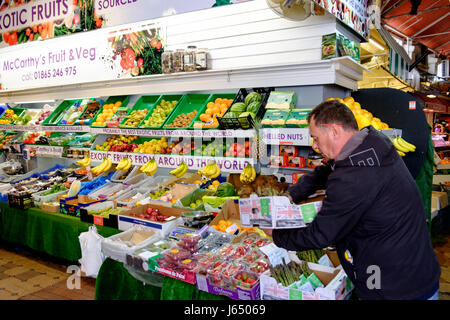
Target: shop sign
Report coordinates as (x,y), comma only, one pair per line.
(45,19)
(45,151)
(286,136)
(226,164)
(98,56)
(177,133)
(353,13)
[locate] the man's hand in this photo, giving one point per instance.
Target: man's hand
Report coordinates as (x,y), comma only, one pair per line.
(268,232)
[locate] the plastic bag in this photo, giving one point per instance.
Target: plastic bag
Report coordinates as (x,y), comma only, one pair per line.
(91,252)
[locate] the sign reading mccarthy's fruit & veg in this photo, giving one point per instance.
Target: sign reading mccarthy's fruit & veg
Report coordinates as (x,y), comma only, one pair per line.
(82,58)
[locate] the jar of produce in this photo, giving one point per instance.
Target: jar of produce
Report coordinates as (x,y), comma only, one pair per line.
(189,58)
(167,61)
(201,59)
(178,60)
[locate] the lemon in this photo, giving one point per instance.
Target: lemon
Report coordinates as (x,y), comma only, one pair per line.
(362,121)
(349,99)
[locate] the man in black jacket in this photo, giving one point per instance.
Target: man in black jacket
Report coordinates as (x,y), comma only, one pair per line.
(372,211)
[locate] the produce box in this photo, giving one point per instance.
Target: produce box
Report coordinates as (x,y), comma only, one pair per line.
(74,112)
(6,120)
(297,118)
(275,118)
(248,122)
(336,286)
(56,116)
(193,200)
(212,98)
(21,201)
(439,200)
(129,218)
(168,113)
(204,284)
(284,100)
(90,112)
(193,102)
(71,206)
(230,211)
(50,207)
(144,103)
(119,245)
(215,204)
(336,45)
(276,212)
(38,199)
(124,100)
(110,221)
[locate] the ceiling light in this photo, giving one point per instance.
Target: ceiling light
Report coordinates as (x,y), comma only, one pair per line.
(431,96)
(376,44)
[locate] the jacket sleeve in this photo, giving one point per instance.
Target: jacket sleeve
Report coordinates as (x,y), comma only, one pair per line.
(309,183)
(347,198)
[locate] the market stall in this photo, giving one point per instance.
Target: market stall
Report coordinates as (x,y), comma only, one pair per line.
(177,153)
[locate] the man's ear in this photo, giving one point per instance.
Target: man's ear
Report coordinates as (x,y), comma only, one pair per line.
(335,130)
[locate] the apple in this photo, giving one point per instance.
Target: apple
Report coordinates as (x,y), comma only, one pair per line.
(142,216)
(132,214)
(149,210)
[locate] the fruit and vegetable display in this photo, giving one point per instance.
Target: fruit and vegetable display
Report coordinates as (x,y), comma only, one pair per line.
(214,109)
(105,166)
(74,112)
(288,273)
(263,186)
(9,116)
(180,170)
(159,114)
(149,168)
(26,117)
(249,107)
(6,139)
(45,112)
(89,113)
(109,110)
(210,171)
(118,143)
(183,120)
(310,255)
(133,119)
(152,215)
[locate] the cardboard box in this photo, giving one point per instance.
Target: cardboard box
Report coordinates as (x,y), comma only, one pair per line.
(111,221)
(296,176)
(237,293)
(337,286)
(126,221)
(290,151)
(276,212)
(70,206)
(230,211)
(439,200)
(51,207)
(296,162)
(279,161)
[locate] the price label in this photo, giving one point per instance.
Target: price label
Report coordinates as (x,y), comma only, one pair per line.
(98,220)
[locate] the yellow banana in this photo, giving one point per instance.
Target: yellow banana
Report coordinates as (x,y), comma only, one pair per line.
(210,169)
(183,171)
(128,164)
(177,170)
(121,164)
(406,144)
(401,153)
(145,166)
(398,146)
(216,173)
(85,162)
(108,165)
(151,168)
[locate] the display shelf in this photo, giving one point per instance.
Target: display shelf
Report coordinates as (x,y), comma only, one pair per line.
(138,132)
(301,136)
(291,168)
(227,164)
(343,71)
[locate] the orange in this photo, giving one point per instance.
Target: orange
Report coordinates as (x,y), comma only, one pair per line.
(215,110)
(223,110)
(229,223)
(210,105)
(118,103)
(223,228)
(222,222)
(209,111)
(205,117)
(218,100)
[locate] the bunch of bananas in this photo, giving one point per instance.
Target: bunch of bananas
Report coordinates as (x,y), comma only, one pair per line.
(180,170)
(85,162)
(149,167)
(124,164)
(102,167)
(210,171)
(248,175)
(402,146)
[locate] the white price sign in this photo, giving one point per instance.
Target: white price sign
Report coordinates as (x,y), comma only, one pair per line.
(286,136)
